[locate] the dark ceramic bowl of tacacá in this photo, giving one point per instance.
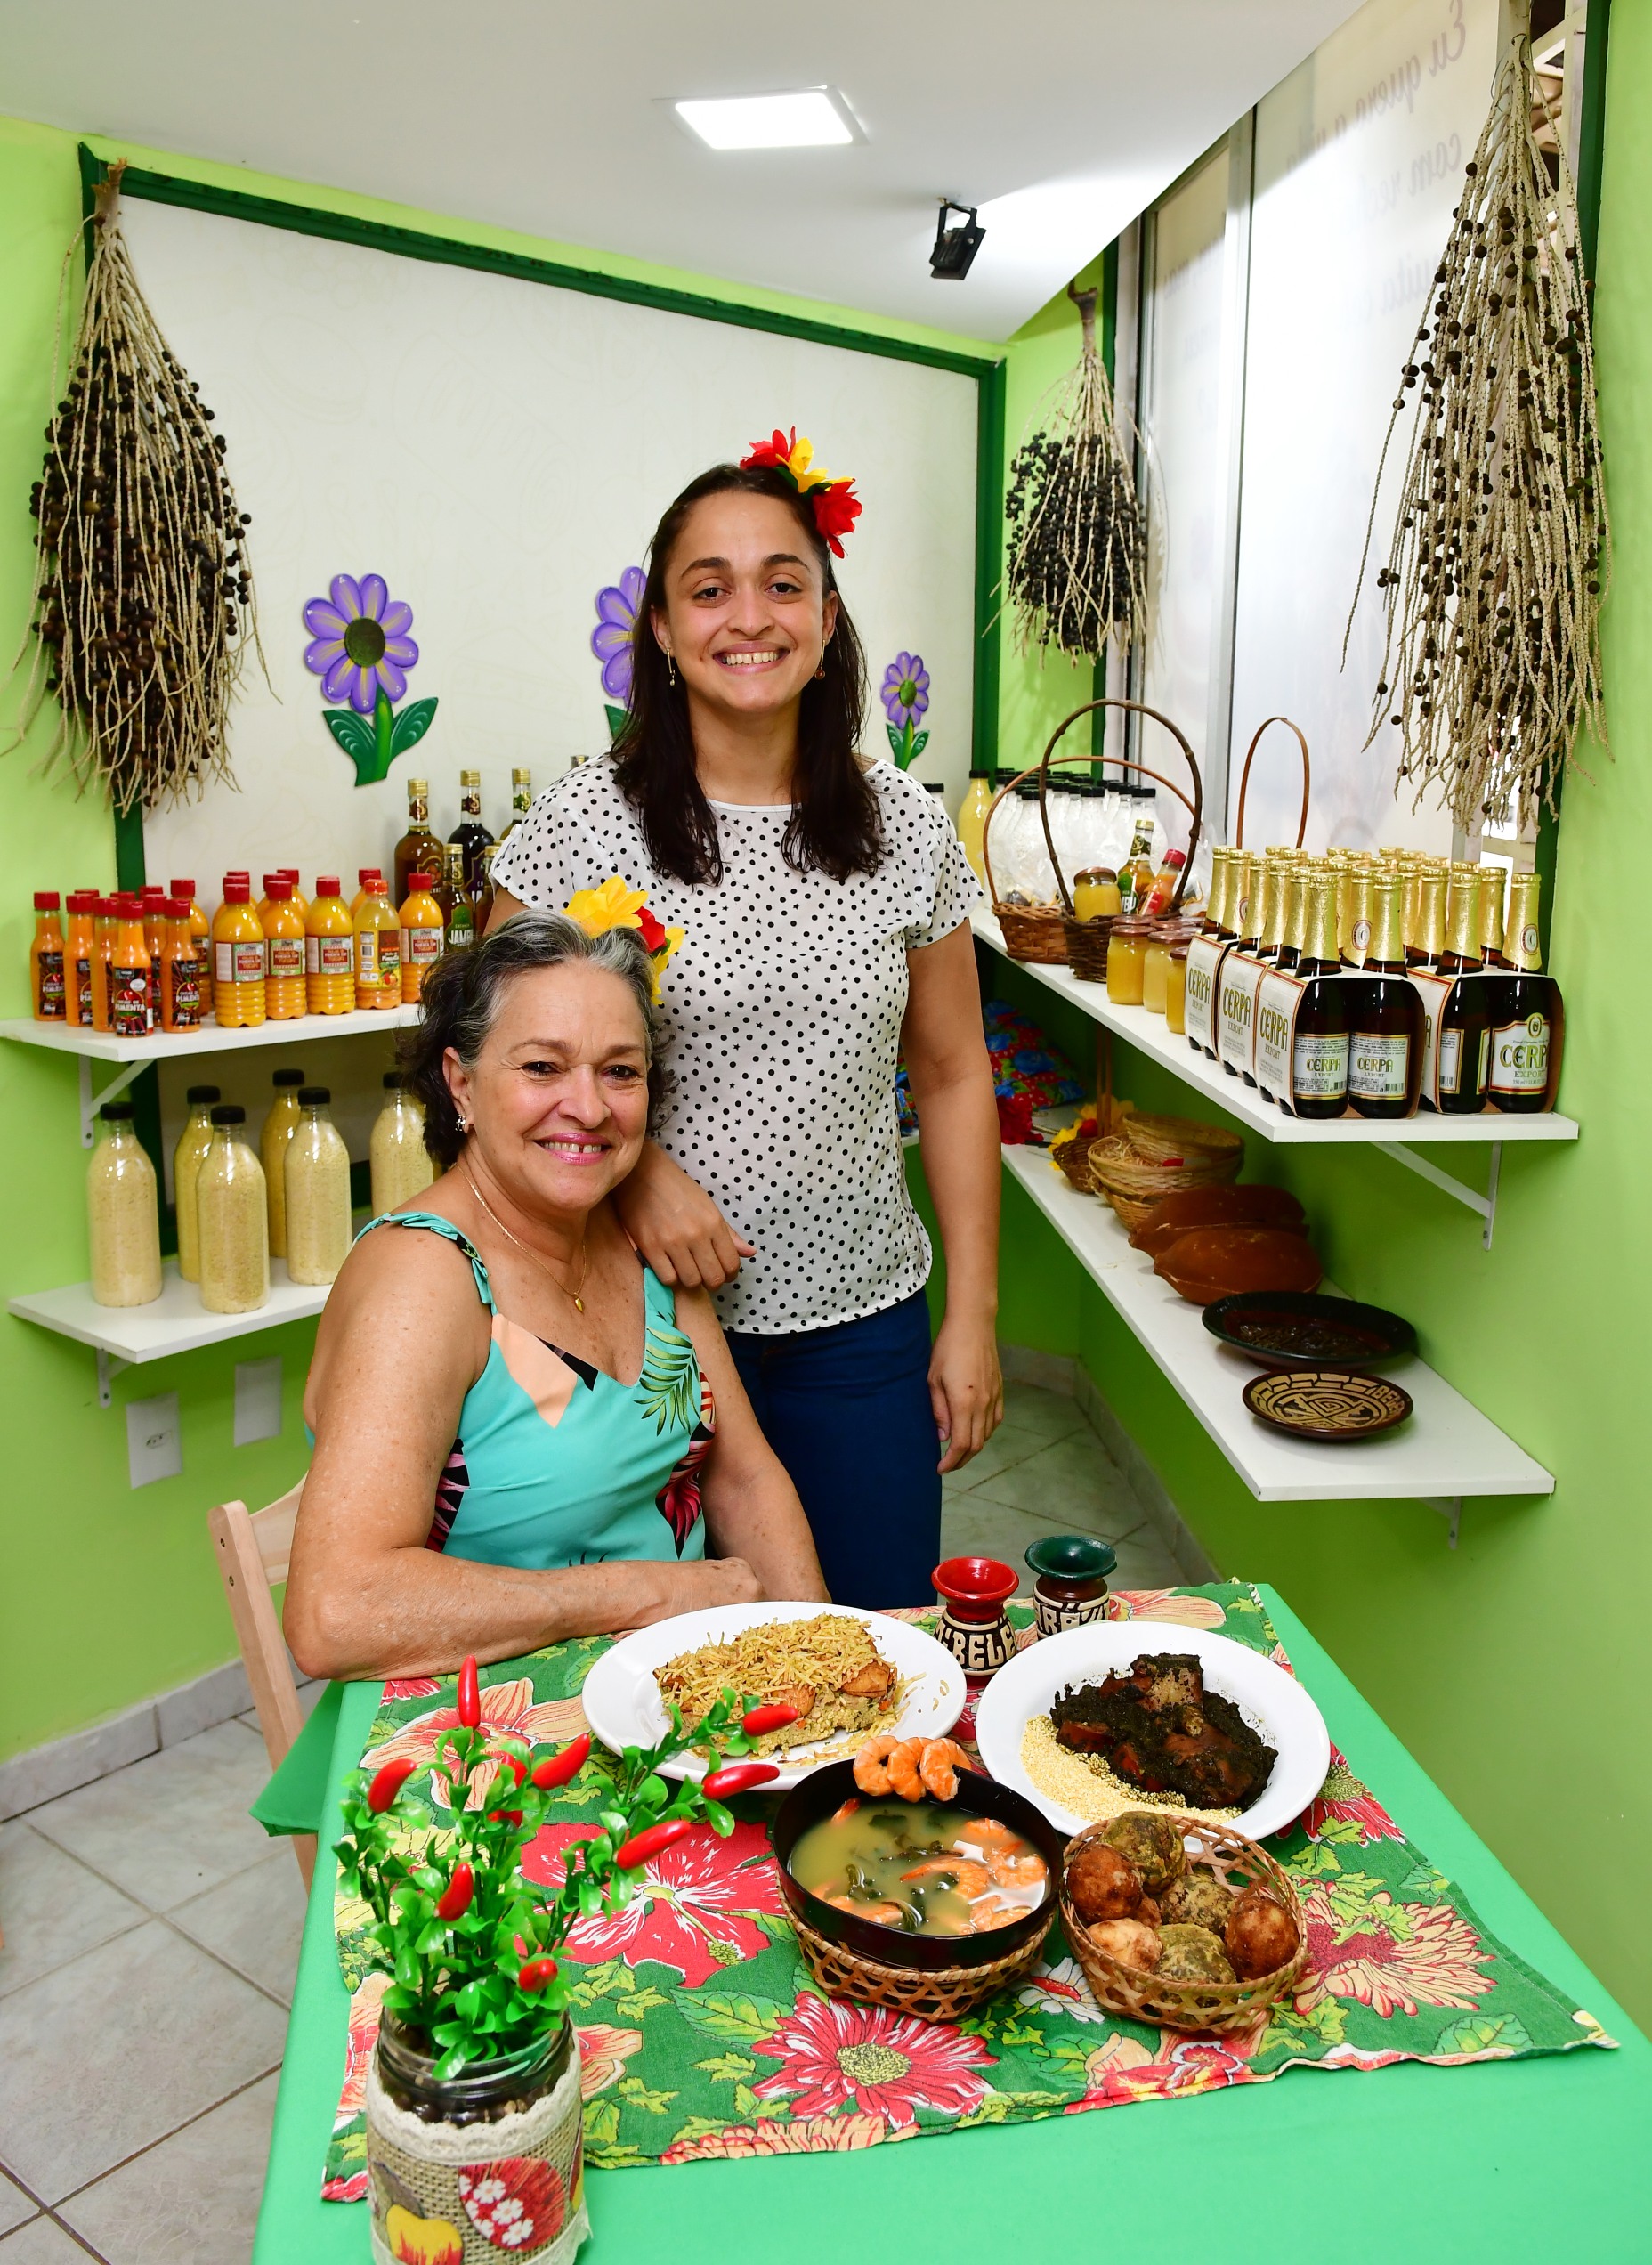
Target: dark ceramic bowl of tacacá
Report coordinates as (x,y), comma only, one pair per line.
(1306,1329)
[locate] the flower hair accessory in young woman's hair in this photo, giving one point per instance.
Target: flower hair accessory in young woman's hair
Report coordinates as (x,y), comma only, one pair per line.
(616,905)
(834,503)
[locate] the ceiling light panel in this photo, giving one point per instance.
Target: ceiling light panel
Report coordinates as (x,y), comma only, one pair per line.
(817,118)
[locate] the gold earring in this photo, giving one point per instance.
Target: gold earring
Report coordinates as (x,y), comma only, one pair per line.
(820,671)
(670,666)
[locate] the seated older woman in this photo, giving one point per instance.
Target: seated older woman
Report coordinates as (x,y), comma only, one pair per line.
(520,1433)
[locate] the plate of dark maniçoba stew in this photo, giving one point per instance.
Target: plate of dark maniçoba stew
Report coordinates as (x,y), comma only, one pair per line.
(1306,1329)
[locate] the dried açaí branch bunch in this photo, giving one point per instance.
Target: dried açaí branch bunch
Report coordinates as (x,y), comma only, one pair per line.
(1075,568)
(144,597)
(1501,547)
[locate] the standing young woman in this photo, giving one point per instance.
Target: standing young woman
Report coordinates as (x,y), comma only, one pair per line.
(825,898)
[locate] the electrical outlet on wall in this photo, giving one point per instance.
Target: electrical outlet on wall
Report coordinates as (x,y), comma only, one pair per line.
(257,1400)
(154,1439)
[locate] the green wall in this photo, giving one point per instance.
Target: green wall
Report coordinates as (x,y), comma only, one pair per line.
(1514,1667)
(108,1595)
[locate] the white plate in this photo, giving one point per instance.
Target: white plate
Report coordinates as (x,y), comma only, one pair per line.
(623,1705)
(1271,1702)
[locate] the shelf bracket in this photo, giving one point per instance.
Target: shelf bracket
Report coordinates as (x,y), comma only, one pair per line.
(109,1365)
(1486,1205)
(91,1102)
(1450,1510)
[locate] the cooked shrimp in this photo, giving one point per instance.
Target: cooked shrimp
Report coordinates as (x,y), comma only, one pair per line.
(798,1695)
(842,1815)
(969,1878)
(881,1914)
(989,1912)
(987,1837)
(870,1682)
(1017,1868)
(939,1765)
(872,1773)
(903,1768)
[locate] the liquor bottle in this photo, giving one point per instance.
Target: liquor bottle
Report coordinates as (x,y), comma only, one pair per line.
(482,895)
(1465,1018)
(1386,1016)
(1525,1006)
(522,802)
(470,833)
(1135,873)
(1319,1043)
(419,849)
(453,898)
(1425,924)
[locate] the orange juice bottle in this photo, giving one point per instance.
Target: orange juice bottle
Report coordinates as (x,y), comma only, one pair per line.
(364,874)
(290,873)
(330,951)
(47,986)
(422,933)
(181,970)
(80,955)
(200,927)
(154,898)
(129,971)
(378,948)
(102,950)
(284,951)
(238,965)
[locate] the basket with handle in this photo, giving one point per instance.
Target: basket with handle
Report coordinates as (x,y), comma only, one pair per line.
(1087,940)
(1244,776)
(1032,932)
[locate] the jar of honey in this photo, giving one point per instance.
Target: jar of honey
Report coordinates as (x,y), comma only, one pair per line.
(1126,953)
(1175,989)
(1096,893)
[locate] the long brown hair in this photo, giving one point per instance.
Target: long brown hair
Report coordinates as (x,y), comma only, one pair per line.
(835,826)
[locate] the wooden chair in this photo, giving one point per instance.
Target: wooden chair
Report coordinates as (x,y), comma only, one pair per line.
(253,1547)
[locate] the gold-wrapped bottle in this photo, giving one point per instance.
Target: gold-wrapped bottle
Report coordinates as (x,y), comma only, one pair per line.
(1525,1009)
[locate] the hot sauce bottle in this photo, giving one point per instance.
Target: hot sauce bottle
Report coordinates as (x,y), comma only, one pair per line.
(129,1009)
(1319,1043)
(1525,1008)
(183,968)
(47,984)
(80,955)
(1385,1013)
(1465,1018)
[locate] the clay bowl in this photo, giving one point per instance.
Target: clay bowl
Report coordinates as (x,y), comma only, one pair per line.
(1347,1336)
(823,1790)
(1231,1206)
(1212,1262)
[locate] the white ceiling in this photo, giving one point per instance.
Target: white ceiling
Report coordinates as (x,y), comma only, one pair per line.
(1061,120)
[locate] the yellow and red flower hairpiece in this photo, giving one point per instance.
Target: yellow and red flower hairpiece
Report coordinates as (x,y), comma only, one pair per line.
(834,503)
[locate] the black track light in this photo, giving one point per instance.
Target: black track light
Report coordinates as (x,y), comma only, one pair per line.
(955,247)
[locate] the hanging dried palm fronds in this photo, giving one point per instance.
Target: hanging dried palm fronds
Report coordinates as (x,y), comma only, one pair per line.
(1075,565)
(1501,546)
(143,598)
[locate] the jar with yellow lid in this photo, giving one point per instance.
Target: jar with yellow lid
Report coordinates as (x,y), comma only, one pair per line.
(1127,954)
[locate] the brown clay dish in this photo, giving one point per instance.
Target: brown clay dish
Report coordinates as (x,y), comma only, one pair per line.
(1212,1263)
(1252,1206)
(1327,1405)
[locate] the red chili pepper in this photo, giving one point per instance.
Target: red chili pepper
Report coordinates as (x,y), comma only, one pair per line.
(644,1847)
(503,1816)
(740,1777)
(387,1784)
(470,1695)
(556,1769)
(536,1974)
(455,1899)
(761,1718)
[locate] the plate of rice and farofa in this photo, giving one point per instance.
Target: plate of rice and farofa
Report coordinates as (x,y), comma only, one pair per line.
(846,1672)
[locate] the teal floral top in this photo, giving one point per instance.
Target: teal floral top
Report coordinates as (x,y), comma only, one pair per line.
(557,1462)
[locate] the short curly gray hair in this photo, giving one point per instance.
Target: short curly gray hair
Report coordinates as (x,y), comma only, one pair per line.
(461,997)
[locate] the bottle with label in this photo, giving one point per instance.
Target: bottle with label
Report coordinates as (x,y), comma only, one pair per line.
(200,927)
(1319,1041)
(1214,923)
(330,951)
(182,971)
(1492,921)
(153,901)
(1425,929)
(454,898)
(231,1218)
(1276,903)
(419,849)
(1135,873)
(481,894)
(187,1159)
(364,874)
(398,1161)
(422,934)
(522,802)
(317,1192)
(1165,882)
(1386,1017)
(1245,897)
(1525,1009)
(48,982)
(378,949)
(1293,916)
(102,953)
(279,1128)
(1465,1030)
(80,955)
(470,834)
(123,1213)
(1354,916)
(972,820)
(238,957)
(283,925)
(129,971)
(290,873)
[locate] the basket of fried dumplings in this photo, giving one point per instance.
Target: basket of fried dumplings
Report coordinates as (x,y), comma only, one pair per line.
(1179,1921)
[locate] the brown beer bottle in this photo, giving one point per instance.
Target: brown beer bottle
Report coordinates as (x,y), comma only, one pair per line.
(1425,931)
(1465,1018)
(1492,920)
(1385,1013)
(1293,917)
(1525,1006)
(1319,1045)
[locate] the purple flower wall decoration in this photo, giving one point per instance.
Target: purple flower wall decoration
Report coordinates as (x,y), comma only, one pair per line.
(362,651)
(616,608)
(905,695)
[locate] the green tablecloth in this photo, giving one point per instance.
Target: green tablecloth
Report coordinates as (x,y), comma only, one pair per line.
(1510,2160)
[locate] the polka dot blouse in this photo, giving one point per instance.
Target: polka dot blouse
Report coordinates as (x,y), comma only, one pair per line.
(783,1012)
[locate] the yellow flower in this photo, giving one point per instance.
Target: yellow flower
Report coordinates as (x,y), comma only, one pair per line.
(612,906)
(799,463)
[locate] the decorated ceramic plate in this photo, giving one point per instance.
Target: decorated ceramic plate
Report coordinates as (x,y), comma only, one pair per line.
(1323,1404)
(624,1708)
(1271,1702)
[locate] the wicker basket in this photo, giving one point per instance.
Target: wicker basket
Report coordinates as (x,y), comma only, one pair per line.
(1033,932)
(1163,1140)
(1132,1185)
(1140,1996)
(1087,945)
(1072,1158)
(934,1993)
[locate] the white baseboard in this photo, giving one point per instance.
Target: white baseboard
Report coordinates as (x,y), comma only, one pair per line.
(29,1779)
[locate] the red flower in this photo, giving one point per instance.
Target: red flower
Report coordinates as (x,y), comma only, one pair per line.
(694,1905)
(836,507)
(775,453)
(518,2201)
(649,929)
(1437,1964)
(411,1687)
(1121,2070)
(1344,1797)
(1015,1120)
(835,2055)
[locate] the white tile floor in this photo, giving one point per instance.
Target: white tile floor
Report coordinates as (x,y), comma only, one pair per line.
(151,1931)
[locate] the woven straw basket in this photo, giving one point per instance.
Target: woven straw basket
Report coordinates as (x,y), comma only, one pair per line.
(1183,1140)
(932,1994)
(1072,1159)
(1140,1996)
(1087,942)
(1120,1174)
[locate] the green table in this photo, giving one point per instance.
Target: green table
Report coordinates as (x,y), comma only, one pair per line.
(1541,2159)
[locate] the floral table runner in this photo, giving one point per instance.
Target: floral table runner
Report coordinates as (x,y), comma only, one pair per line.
(702,2033)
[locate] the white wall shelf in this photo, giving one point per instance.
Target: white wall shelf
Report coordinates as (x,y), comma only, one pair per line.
(1447,1449)
(176,1321)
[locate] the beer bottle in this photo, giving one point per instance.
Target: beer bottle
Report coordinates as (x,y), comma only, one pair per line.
(1319,1047)
(1525,1008)
(1385,1013)
(1465,1018)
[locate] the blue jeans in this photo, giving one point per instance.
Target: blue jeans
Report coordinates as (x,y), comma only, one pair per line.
(846,1410)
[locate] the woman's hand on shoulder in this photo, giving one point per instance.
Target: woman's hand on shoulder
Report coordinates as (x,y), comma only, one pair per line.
(676,1225)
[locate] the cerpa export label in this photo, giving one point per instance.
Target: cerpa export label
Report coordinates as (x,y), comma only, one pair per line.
(1521,1056)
